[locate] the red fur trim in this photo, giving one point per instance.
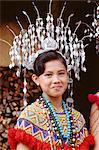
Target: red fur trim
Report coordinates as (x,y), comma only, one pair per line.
(94,98)
(87,142)
(16,136)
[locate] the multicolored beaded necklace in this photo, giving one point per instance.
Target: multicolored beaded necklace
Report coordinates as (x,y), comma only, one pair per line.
(57,126)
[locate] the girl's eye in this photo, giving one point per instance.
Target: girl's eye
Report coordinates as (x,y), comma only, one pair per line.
(61,73)
(48,75)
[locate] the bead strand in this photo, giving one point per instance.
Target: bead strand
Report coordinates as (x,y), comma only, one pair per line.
(48,121)
(73,129)
(56,120)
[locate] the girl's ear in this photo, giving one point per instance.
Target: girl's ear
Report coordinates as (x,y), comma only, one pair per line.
(35,79)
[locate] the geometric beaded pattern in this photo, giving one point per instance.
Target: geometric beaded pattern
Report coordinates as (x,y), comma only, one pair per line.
(34,121)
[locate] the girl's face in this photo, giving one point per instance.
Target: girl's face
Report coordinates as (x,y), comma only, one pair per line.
(53,81)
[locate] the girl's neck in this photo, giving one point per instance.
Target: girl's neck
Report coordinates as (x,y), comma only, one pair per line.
(55,101)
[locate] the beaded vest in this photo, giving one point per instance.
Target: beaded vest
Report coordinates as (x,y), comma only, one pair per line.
(36,121)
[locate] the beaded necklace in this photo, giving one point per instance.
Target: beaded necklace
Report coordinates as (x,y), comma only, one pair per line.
(55,120)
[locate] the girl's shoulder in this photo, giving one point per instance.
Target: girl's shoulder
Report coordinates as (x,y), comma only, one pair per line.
(31,110)
(79,120)
(77,114)
(33,115)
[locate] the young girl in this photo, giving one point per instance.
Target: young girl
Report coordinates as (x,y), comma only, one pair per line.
(49,123)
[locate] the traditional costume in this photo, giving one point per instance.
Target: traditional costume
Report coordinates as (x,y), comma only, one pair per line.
(37,128)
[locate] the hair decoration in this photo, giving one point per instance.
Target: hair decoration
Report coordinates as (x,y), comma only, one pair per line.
(95,25)
(45,37)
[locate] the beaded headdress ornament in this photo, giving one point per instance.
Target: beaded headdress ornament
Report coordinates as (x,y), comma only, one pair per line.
(42,37)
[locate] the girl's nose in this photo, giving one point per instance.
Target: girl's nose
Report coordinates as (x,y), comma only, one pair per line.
(56,79)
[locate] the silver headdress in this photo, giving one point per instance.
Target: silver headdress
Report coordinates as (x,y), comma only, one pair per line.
(95,26)
(42,37)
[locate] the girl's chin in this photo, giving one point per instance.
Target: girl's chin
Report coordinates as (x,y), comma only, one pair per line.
(57,94)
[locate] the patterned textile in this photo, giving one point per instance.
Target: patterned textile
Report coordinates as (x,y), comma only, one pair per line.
(33,120)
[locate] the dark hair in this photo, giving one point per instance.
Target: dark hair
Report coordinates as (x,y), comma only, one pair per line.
(39,63)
